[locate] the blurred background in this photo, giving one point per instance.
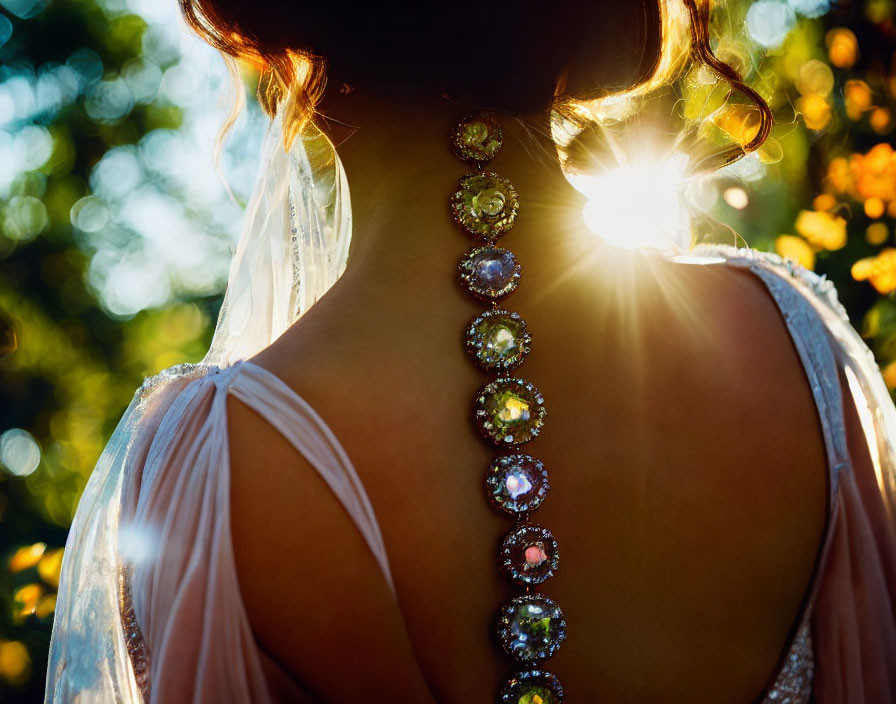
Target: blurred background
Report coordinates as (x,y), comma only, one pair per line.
(116,230)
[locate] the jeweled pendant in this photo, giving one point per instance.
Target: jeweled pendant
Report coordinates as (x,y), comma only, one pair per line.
(509,411)
(517,483)
(532,687)
(485,205)
(490,273)
(477,138)
(529,555)
(531,628)
(498,340)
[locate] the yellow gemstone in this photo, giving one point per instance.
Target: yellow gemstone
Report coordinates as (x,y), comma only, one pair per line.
(510,411)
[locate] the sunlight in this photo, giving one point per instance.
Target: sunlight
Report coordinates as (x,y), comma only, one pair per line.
(639,204)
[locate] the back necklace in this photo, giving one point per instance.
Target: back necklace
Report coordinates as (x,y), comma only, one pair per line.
(508,411)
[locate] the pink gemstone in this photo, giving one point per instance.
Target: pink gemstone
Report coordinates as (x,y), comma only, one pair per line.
(535,556)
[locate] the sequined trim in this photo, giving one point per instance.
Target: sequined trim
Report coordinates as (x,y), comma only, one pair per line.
(794,682)
(133,636)
(175,372)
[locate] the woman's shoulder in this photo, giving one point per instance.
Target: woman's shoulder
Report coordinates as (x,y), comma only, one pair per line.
(293,535)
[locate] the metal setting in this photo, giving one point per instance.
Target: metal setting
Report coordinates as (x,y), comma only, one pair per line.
(477,138)
(485,205)
(531,628)
(517,484)
(526,686)
(529,555)
(490,273)
(509,411)
(498,340)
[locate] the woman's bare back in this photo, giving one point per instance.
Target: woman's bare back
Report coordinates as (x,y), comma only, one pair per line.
(688,494)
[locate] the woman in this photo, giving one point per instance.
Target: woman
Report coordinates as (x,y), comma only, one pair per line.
(724,534)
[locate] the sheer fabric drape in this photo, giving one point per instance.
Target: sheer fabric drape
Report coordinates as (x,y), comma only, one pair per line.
(292,248)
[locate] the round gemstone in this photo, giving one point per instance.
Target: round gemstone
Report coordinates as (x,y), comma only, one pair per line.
(477,138)
(498,340)
(531,628)
(490,201)
(509,411)
(486,205)
(529,555)
(517,483)
(490,272)
(532,687)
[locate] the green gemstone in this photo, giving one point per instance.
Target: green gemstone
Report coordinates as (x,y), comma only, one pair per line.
(531,628)
(485,205)
(498,339)
(510,411)
(474,133)
(483,197)
(478,138)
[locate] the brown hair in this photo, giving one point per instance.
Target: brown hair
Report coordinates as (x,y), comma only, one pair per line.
(510,58)
(622,49)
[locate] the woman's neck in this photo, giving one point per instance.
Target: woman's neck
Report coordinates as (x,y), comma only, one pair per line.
(402,171)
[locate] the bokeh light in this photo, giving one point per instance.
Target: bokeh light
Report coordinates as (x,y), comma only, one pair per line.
(770,21)
(15,662)
(19,452)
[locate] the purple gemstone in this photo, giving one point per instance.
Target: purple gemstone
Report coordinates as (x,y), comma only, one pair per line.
(517,483)
(490,272)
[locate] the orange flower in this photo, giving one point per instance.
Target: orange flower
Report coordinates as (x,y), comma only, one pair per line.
(880,120)
(796,249)
(876,233)
(858,98)
(816,111)
(843,47)
(874,173)
(821,230)
(874,207)
(879,270)
(26,557)
(824,202)
(839,175)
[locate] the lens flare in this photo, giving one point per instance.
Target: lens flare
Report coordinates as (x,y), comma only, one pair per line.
(639,204)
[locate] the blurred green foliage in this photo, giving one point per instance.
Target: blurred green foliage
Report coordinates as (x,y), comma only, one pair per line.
(82,81)
(71,366)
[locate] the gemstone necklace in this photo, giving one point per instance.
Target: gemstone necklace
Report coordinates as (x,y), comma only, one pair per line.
(508,411)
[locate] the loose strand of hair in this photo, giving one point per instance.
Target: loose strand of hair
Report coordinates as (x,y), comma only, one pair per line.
(702,50)
(237,105)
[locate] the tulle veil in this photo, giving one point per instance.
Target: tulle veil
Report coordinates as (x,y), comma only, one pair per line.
(293,247)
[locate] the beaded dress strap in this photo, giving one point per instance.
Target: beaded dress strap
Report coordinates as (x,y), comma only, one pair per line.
(307,432)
